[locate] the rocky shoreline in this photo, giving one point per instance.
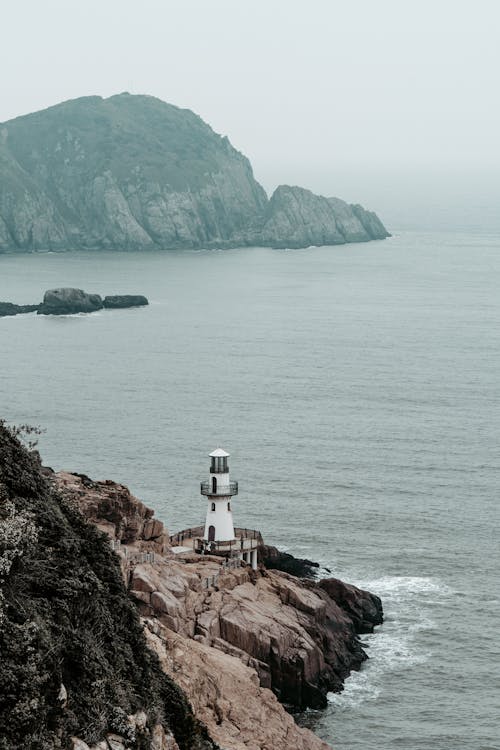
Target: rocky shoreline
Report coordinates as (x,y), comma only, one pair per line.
(287,640)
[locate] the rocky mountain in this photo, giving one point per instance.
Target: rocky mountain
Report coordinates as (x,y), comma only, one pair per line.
(133,173)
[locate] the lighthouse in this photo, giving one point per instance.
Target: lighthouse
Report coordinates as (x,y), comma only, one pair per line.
(220,539)
(219,490)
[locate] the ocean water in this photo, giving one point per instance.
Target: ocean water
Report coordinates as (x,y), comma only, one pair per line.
(357,390)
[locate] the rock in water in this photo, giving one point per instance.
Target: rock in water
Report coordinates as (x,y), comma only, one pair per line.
(8,308)
(117,301)
(135,173)
(67,301)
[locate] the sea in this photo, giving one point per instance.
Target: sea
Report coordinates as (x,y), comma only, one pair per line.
(356,388)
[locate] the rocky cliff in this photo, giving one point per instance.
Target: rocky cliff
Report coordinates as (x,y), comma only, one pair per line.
(234,639)
(298,218)
(134,173)
(216,649)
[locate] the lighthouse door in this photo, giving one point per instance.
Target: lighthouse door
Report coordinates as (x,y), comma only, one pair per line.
(211,533)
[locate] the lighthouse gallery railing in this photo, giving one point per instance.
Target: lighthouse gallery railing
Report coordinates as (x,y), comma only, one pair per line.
(206,488)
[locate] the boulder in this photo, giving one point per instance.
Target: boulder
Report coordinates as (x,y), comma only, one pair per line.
(363,607)
(66,301)
(118,301)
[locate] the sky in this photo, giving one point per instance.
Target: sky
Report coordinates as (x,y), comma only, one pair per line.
(390,103)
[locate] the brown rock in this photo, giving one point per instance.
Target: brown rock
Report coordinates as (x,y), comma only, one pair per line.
(164,602)
(162,740)
(225,694)
(77,744)
(217,630)
(107,501)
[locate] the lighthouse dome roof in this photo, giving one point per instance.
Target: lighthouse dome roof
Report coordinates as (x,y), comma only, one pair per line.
(218,453)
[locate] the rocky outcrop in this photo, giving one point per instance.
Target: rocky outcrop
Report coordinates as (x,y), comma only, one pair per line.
(67,301)
(215,627)
(364,609)
(112,508)
(117,301)
(296,218)
(8,308)
(135,173)
(274,559)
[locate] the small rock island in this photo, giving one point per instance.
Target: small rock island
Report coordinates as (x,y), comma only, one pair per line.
(70,301)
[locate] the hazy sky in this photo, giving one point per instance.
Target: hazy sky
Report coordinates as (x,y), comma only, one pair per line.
(391,103)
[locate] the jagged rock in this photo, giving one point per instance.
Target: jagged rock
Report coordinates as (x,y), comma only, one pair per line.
(66,301)
(226,696)
(116,742)
(78,744)
(162,740)
(300,635)
(296,638)
(8,308)
(297,217)
(111,506)
(364,608)
(274,559)
(124,300)
(135,173)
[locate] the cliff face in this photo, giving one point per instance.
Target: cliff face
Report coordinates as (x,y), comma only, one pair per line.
(298,218)
(133,173)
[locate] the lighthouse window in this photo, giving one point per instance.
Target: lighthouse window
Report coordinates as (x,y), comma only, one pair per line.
(229,506)
(213,506)
(214,484)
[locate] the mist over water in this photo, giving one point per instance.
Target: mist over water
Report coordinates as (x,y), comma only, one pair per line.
(356,388)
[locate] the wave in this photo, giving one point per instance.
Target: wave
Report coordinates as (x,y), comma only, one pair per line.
(408,604)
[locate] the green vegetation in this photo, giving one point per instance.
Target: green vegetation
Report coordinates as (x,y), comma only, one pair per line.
(66,619)
(82,138)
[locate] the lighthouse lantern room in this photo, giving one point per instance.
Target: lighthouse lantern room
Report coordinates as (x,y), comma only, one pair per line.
(219,490)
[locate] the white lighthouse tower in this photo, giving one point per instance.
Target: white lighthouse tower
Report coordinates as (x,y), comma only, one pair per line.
(219,490)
